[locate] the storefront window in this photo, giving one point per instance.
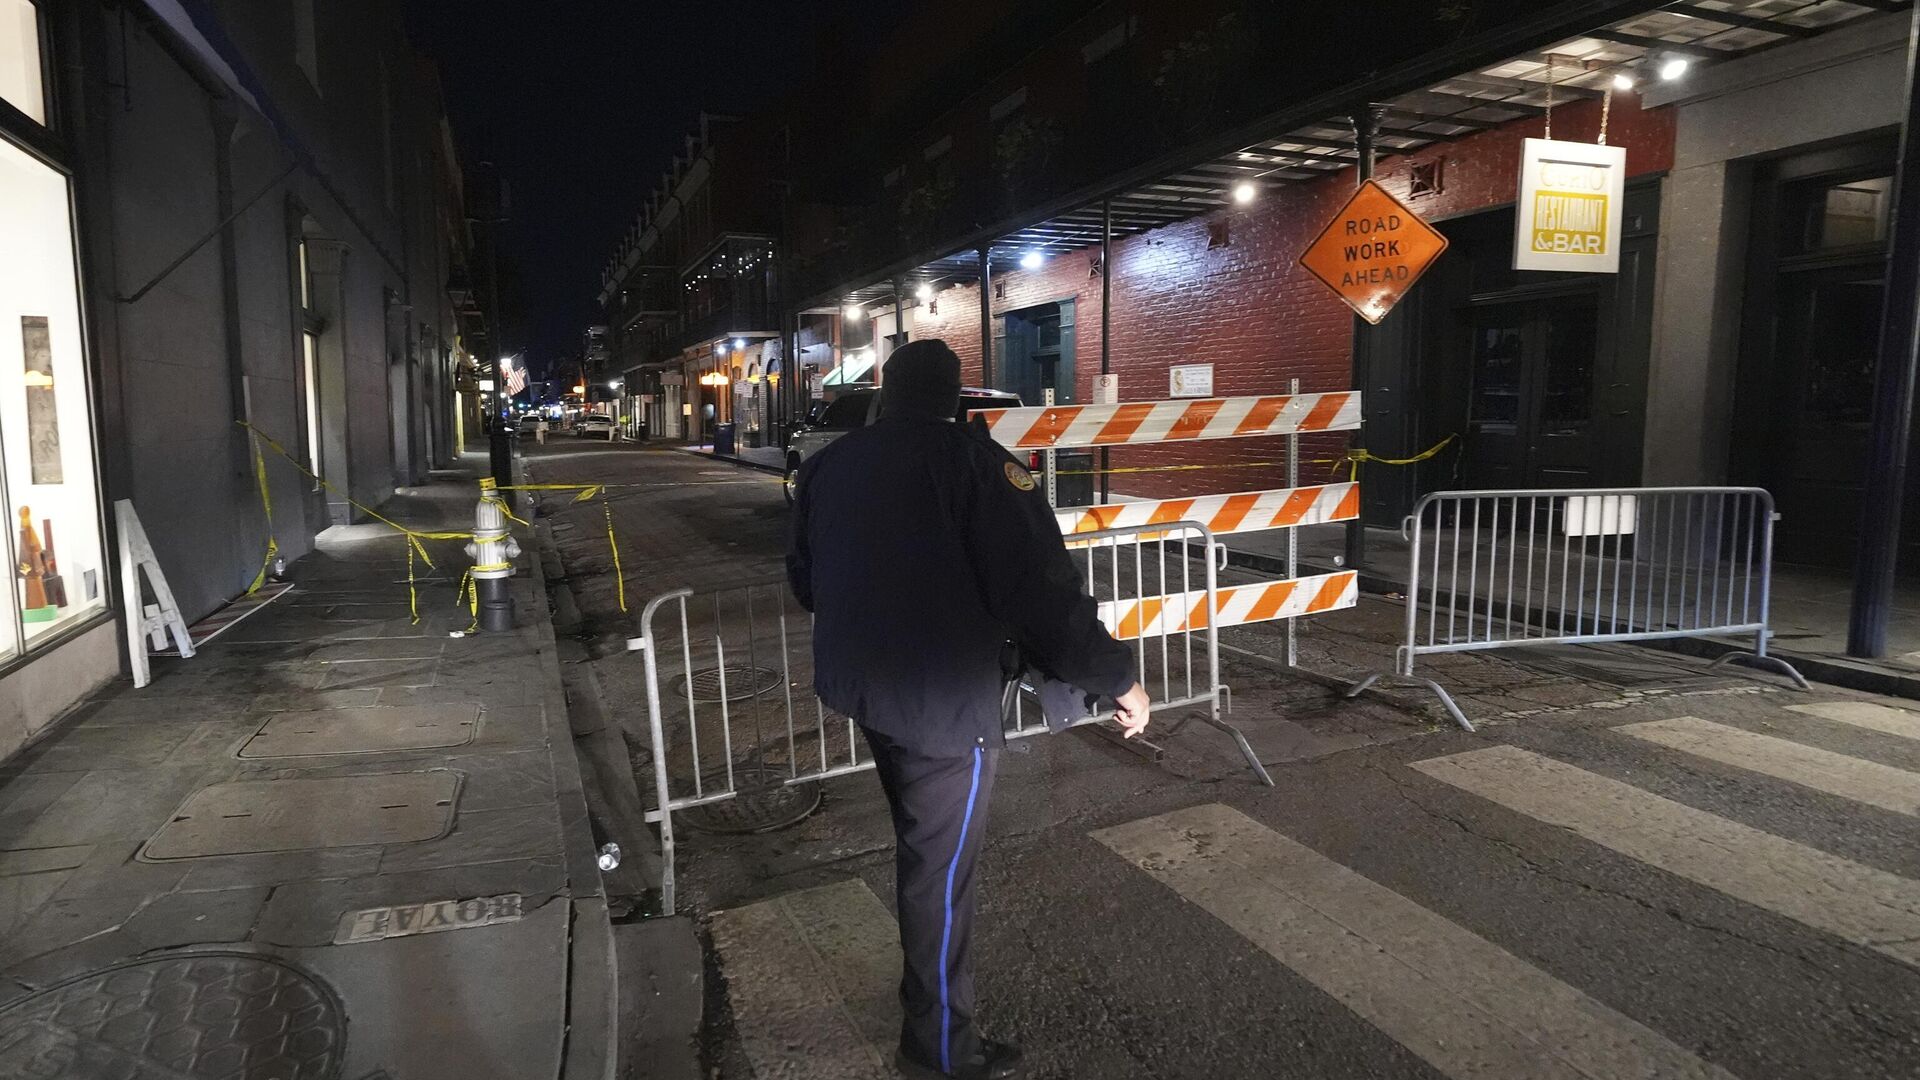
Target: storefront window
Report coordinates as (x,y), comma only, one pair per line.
(46,439)
(20,79)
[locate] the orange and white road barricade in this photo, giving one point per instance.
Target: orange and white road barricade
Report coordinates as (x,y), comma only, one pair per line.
(1150,615)
(1057,427)
(1234,605)
(1247,511)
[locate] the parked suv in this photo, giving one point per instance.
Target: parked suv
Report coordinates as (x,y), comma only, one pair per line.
(593,424)
(828,420)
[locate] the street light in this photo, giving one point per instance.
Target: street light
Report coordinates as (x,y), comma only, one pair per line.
(613,384)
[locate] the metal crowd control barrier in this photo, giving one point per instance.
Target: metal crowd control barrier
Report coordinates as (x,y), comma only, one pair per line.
(1496,569)
(729,677)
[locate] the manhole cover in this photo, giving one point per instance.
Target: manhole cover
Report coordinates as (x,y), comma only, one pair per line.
(763,805)
(370,729)
(742,681)
(205,1015)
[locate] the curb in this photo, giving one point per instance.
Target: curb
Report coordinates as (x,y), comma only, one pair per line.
(590,1051)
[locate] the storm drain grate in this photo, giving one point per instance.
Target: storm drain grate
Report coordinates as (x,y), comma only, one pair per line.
(742,682)
(204,1015)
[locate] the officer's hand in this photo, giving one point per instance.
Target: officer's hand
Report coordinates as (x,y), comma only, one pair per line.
(1134,711)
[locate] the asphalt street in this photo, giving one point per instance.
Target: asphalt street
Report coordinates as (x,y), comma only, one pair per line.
(1636,868)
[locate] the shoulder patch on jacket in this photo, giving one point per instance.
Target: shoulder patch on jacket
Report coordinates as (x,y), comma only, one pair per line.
(1018,476)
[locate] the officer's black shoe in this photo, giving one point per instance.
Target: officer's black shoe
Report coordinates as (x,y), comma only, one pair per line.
(990,1061)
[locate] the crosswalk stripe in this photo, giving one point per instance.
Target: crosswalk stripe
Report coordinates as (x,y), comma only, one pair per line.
(1866,782)
(811,976)
(1859,903)
(1462,1003)
(1866,714)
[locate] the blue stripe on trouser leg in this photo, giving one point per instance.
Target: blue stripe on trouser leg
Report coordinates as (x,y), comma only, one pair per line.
(946,931)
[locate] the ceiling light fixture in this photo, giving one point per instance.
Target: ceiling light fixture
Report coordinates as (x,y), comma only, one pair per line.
(1623,81)
(1244,191)
(1032,260)
(854,312)
(924,293)
(1674,67)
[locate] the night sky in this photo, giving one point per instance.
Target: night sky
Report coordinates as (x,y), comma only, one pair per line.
(583,104)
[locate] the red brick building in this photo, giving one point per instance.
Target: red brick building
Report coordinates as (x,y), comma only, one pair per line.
(1734,128)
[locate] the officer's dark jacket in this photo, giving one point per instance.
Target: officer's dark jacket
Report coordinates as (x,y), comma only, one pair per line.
(923,548)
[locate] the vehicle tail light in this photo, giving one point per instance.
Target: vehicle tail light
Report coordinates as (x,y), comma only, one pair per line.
(1033,459)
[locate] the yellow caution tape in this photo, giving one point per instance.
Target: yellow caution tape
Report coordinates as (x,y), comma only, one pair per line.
(414,536)
(1352,458)
(585,493)
(1359,454)
(266,505)
(620,578)
(468,591)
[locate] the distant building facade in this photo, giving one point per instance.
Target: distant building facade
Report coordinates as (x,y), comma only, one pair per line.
(692,294)
(236,214)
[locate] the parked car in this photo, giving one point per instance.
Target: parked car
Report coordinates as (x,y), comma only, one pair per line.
(593,424)
(828,420)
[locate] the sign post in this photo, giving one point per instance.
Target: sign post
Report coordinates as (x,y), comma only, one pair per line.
(1370,254)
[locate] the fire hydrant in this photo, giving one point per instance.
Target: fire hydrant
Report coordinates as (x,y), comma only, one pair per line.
(493,550)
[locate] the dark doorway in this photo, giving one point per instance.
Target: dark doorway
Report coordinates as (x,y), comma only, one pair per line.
(1038,349)
(1542,377)
(1817,282)
(1530,410)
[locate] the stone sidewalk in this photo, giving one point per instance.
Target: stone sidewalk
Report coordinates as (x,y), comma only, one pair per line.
(336,843)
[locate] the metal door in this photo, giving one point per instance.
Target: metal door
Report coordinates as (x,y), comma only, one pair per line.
(1532,367)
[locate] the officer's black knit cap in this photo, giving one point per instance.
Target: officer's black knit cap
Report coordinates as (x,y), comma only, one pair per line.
(921,381)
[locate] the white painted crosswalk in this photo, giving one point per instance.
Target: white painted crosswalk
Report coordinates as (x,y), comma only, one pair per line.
(1866,714)
(1853,778)
(812,975)
(1858,903)
(1465,1005)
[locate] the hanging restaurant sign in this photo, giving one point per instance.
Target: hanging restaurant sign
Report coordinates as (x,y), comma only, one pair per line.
(1569,208)
(1373,251)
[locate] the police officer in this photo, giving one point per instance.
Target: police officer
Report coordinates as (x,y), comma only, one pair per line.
(928,559)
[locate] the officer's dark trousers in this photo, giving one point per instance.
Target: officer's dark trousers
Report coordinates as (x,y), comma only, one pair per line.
(939,816)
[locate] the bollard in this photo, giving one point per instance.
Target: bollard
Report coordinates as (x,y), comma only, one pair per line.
(493,550)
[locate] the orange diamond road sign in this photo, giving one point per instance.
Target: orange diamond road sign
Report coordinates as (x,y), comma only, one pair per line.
(1373,251)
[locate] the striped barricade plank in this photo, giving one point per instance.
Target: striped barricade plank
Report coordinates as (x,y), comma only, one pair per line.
(1248,511)
(1141,422)
(1157,616)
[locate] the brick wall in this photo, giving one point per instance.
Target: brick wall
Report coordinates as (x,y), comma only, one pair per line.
(1248,308)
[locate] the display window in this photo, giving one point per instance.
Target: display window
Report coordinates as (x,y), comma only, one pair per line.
(47,476)
(21,81)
